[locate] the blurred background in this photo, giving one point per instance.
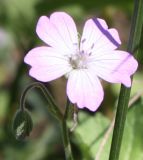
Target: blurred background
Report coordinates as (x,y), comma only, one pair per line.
(18,20)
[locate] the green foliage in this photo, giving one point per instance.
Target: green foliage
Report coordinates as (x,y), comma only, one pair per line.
(140,54)
(91,130)
(132,139)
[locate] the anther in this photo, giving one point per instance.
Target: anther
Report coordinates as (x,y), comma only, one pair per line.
(83,40)
(92,46)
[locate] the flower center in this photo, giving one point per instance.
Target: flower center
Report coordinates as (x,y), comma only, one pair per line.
(79,61)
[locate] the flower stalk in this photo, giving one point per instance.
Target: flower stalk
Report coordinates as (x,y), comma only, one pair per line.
(65,134)
(122,108)
(52,106)
(55,111)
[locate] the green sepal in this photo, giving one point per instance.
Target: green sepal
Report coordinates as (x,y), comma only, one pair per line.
(22,124)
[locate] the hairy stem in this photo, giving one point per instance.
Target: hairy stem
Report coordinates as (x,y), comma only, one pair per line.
(133,46)
(65,134)
(111,126)
(52,106)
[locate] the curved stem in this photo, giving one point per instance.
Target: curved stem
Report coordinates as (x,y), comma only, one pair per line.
(65,134)
(56,112)
(52,106)
(133,46)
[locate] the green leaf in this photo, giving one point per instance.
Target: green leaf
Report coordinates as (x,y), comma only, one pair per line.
(132,147)
(89,133)
(91,130)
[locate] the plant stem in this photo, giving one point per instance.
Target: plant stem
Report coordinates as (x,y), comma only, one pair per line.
(52,106)
(122,108)
(65,134)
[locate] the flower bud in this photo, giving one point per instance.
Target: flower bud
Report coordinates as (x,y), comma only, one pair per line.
(22,124)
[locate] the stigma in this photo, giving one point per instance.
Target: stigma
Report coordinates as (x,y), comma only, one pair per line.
(78,61)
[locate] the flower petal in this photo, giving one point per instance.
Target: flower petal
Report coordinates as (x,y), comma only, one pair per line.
(58,31)
(47,64)
(85,89)
(96,36)
(114,66)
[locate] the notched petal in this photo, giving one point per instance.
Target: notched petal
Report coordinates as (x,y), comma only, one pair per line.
(47,64)
(111,34)
(58,31)
(96,32)
(84,89)
(114,66)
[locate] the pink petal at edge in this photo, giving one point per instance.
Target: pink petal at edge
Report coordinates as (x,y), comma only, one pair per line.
(84,89)
(97,37)
(58,31)
(114,66)
(47,64)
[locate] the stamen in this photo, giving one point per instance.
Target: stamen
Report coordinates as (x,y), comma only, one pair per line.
(82,52)
(78,61)
(75,44)
(83,40)
(92,46)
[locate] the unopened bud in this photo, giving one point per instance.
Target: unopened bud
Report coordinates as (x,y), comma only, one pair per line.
(22,124)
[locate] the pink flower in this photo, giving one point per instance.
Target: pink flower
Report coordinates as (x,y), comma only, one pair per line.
(83,60)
